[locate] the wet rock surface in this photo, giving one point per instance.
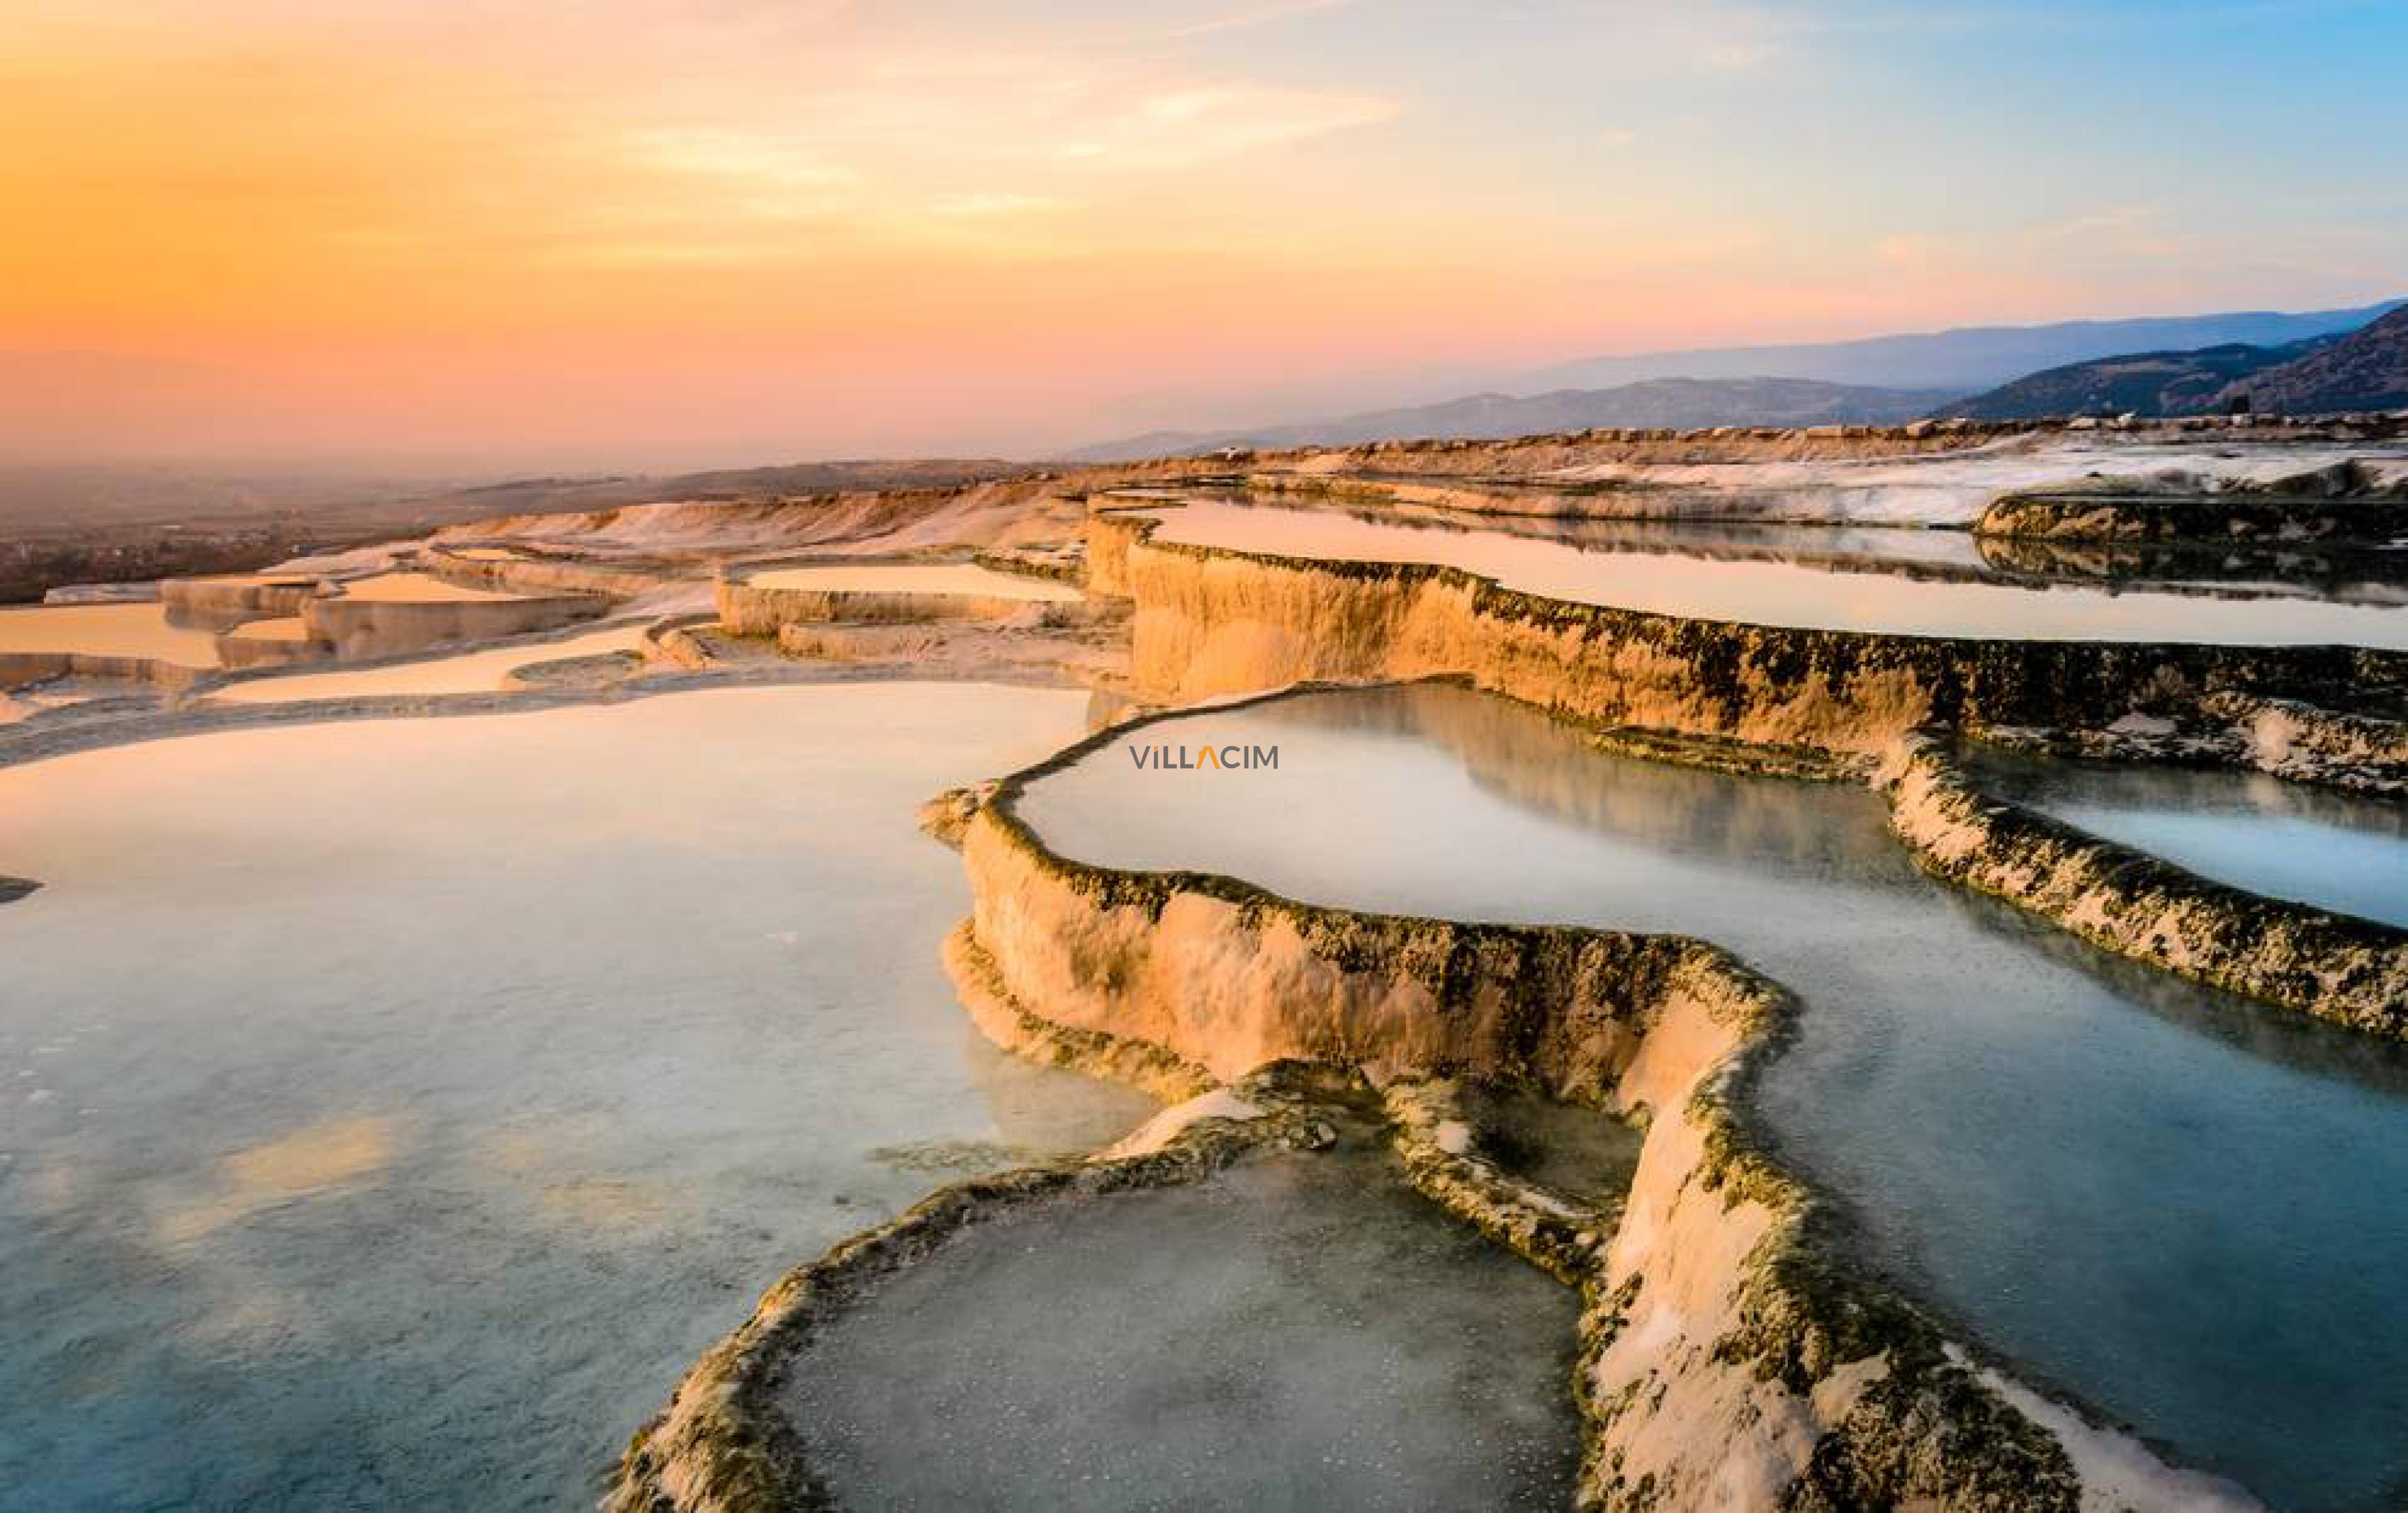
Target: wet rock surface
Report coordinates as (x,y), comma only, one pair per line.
(2352,972)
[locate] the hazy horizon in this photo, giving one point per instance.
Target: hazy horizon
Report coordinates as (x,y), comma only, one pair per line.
(482,238)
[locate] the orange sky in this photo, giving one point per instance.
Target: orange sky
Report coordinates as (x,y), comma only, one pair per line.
(740,230)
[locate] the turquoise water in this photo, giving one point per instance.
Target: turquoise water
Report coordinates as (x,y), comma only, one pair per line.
(390,1112)
(2339,851)
(2189,1210)
(1300,1332)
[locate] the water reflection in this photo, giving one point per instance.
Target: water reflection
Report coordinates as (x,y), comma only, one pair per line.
(126,630)
(389,1113)
(2338,851)
(2183,1206)
(1787,579)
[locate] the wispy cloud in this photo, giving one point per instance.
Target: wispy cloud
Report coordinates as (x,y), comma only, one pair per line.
(994,204)
(1198,123)
(1261,15)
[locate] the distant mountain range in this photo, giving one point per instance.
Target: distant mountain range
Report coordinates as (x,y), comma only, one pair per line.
(1676,403)
(1965,360)
(2137,383)
(1877,381)
(2362,369)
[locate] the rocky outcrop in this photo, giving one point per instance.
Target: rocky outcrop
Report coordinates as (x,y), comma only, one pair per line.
(671,642)
(13,888)
(2286,738)
(540,576)
(17,668)
(1062,564)
(2353,971)
(253,598)
(2286,735)
(1213,621)
(246,646)
(2349,501)
(753,609)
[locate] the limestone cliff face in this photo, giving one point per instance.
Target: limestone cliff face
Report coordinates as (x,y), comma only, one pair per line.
(20,668)
(1109,536)
(1211,621)
(2286,735)
(2353,971)
(249,598)
(361,628)
(2357,505)
(1225,977)
(756,609)
(534,575)
(1731,1357)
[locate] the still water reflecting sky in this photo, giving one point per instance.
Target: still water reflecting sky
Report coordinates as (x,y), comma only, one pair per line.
(1785,593)
(2189,1208)
(390,1112)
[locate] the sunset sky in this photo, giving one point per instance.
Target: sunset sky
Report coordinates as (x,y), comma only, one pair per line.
(681,232)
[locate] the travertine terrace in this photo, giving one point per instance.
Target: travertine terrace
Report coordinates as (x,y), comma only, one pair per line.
(1735,1348)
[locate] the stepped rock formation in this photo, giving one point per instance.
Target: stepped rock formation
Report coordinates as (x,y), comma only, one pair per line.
(1213,621)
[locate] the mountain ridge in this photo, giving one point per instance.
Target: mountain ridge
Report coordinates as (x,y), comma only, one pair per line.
(2364,369)
(1965,359)
(1866,380)
(1678,404)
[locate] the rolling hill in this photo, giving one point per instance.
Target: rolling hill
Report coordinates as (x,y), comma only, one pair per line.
(2362,369)
(2366,370)
(1676,403)
(1966,359)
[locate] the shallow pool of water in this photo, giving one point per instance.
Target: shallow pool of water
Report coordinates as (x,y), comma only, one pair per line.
(1301,1332)
(390,1112)
(1815,593)
(139,629)
(2189,1209)
(418,588)
(2338,851)
(470,673)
